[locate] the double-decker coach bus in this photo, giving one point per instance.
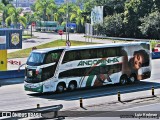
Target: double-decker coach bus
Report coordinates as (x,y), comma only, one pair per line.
(58,69)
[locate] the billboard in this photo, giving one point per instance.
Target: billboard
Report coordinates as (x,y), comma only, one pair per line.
(97,15)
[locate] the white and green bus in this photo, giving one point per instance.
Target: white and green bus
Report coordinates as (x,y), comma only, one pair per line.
(69,68)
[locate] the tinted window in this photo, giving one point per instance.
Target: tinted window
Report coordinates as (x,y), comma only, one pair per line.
(91,54)
(91,71)
(52,57)
(35,59)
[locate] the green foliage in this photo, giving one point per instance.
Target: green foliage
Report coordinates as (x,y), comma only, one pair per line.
(45,9)
(113,25)
(15,18)
(153,43)
(139,18)
(4,10)
(151,25)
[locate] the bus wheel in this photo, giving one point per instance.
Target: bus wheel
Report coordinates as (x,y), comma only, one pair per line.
(123,80)
(72,86)
(132,78)
(60,88)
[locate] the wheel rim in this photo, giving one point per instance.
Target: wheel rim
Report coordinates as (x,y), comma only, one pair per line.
(123,81)
(60,88)
(71,86)
(132,78)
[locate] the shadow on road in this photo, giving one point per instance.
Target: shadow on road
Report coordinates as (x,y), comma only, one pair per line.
(32,41)
(43,38)
(98,91)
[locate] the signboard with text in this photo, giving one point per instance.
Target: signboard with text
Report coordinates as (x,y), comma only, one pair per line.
(97,15)
(71,25)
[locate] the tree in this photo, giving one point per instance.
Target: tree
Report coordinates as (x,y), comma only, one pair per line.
(29,17)
(77,17)
(6,2)
(113,25)
(4,10)
(43,6)
(112,6)
(15,17)
(134,10)
(150,26)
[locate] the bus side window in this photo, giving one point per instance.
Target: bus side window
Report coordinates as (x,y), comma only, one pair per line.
(69,56)
(48,59)
(93,53)
(85,54)
(100,53)
(55,57)
(78,55)
(112,52)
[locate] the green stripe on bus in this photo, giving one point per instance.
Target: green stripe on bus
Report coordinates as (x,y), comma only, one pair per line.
(89,81)
(37,89)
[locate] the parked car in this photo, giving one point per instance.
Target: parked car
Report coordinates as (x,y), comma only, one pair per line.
(157,48)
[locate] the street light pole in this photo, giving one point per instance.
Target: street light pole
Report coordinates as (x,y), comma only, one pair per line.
(68,18)
(67,21)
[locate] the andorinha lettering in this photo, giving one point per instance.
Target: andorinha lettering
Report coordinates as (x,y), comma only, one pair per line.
(94,62)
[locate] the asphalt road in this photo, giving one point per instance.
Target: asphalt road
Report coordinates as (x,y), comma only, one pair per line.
(13,96)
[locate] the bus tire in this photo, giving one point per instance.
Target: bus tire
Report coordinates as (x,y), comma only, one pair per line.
(72,85)
(132,78)
(123,79)
(60,87)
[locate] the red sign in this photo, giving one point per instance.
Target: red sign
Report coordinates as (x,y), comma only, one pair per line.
(33,23)
(60,32)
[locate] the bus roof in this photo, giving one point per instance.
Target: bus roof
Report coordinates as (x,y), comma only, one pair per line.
(45,50)
(103,45)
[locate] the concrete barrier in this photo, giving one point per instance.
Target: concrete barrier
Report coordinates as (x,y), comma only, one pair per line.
(117,38)
(11,74)
(155,55)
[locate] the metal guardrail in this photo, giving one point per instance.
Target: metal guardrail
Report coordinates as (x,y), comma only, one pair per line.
(35,113)
(11,74)
(117,38)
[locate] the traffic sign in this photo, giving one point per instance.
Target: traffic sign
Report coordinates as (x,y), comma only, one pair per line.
(33,24)
(60,32)
(71,25)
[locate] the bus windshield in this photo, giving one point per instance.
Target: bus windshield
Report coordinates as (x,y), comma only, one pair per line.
(35,59)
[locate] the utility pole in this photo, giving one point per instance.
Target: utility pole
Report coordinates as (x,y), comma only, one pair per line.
(68,18)
(67,21)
